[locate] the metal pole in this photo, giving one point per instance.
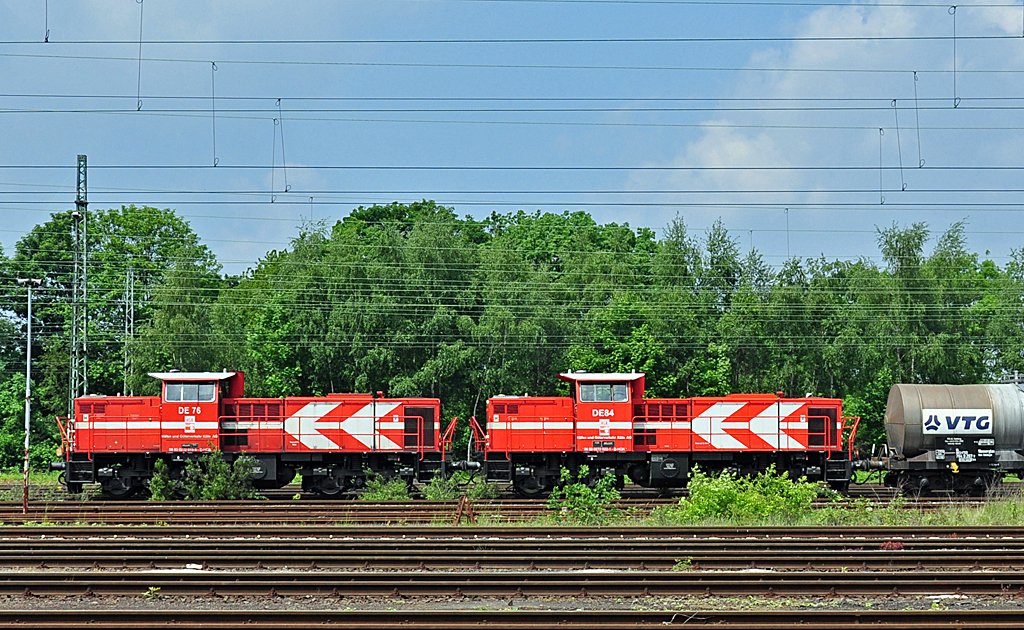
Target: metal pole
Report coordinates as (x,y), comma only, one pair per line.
(28,283)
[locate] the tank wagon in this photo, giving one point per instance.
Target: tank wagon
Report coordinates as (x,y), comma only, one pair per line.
(959,438)
(332,440)
(608,425)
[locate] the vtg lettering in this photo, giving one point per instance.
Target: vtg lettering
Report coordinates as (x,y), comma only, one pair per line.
(957,421)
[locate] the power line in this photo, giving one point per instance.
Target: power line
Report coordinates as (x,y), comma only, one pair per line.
(518,40)
(522,167)
(492,66)
(751,3)
(971,104)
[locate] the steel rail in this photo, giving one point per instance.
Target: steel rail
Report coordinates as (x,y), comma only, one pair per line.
(401,584)
(510,619)
(532,560)
(825,537)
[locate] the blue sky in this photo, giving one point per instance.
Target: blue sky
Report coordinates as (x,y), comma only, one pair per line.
(782,112)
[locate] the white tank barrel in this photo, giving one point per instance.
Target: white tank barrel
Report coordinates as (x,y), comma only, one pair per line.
(920,418)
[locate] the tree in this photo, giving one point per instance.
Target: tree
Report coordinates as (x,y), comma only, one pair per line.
(148,240)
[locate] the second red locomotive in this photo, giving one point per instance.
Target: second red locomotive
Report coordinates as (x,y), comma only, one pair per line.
(608,425)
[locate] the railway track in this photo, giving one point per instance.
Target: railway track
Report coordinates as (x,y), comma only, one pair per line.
(474,584)
(444,549)
(351,512)
(513,620)
(757,537)
(55,492)
(508,577)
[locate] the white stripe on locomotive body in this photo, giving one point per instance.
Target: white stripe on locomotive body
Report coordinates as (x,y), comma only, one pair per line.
(590,424)
(268,425)
(117,425)
(362,426)
(518,425)
(678,425)
(301,425)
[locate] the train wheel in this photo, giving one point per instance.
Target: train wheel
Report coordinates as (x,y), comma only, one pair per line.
(118,488)
(329,487)
(530,487)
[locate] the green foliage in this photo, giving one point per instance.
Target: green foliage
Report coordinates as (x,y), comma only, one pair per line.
(380,488)
(577,502)
(150,241)
(42,445)
(767,498)
(206,478)
(455,486)
(161,486)
(686,564)
(414,300)
(441,489)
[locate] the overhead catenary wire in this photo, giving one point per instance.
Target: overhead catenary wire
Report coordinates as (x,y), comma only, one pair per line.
(492,66)
(333,192)
(726,39)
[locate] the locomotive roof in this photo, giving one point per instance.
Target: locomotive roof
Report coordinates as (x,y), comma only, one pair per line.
(192,376)
(589,377)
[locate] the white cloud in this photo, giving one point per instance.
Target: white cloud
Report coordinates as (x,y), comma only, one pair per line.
(855,91)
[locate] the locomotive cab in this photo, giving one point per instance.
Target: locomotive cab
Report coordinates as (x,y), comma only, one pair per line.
(603,409)
(190,405)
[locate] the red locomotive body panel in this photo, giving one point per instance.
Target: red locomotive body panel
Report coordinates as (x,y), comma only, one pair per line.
(534,423)
(117,424)
(355,423)
(662,424)
(604,410)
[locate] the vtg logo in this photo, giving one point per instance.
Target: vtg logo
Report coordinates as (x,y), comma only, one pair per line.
(957,421)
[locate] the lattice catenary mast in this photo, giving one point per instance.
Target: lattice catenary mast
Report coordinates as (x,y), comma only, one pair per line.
(79,382)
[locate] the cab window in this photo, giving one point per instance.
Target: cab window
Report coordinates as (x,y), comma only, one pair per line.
(604,392)
(190,392)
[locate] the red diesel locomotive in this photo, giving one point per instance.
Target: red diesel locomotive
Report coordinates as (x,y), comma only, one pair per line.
(608,425)
(331,440)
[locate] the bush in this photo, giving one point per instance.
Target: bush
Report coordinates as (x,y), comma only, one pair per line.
(205,478)
(379,488)
(455,486)
(576,502)
(161,486)
(441,489)
(767,498)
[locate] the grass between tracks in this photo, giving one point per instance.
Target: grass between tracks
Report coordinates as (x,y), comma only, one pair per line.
(727,500)
(771,499)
